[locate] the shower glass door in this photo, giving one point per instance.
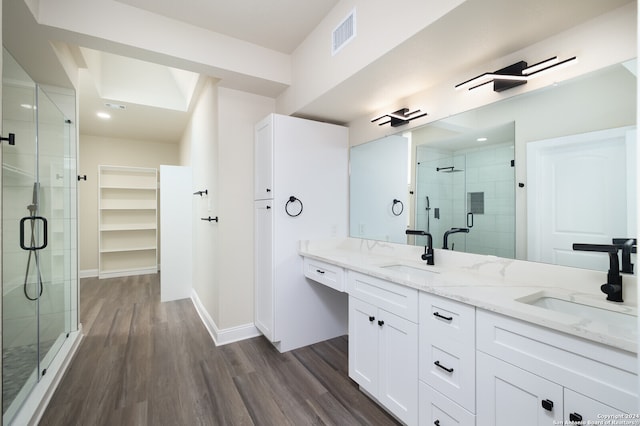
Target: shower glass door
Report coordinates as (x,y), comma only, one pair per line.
(39,282)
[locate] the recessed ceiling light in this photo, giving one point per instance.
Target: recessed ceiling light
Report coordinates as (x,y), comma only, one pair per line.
(481,139)
(103,115)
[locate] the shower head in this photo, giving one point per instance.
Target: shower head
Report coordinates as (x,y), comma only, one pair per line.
(450,169)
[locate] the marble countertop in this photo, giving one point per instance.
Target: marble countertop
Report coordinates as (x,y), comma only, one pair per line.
(494,284)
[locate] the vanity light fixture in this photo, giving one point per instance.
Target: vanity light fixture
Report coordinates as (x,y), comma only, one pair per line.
(513,75)
(399,117)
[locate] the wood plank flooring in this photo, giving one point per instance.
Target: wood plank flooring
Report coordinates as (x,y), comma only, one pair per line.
(143,362)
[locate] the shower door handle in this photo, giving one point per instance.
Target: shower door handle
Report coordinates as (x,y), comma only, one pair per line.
(469,220)
(33,219)
(11,139)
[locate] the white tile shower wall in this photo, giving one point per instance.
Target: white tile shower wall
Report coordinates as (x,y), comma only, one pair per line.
(490,171)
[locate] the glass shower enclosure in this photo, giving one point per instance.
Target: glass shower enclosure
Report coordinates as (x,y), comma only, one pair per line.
(39,253)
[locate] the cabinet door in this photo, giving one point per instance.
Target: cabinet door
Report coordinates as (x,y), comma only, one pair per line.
(398,389)
(507,395)
(579,408)
(363,344)
(263,163)
(264,283)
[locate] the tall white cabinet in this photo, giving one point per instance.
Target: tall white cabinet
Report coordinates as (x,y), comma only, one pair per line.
(128,221)
(300,192)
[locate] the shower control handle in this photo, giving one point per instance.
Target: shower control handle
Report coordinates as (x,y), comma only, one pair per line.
(33,219)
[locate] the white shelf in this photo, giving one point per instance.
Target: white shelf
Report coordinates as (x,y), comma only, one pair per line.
(128,236)
(127,227)
(124,249)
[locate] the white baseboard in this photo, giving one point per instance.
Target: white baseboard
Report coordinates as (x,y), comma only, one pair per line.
(225,336)
(88,273)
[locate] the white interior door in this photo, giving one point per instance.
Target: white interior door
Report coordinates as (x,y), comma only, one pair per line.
(578,192)
(176,202)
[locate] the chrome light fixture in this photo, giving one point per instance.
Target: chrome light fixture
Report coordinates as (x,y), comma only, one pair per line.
(514,75)
(399,117)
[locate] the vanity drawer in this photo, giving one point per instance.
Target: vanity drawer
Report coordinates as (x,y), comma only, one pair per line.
(325,273)
(445,320)
(600,372)
(438,409)
(447,356)
(395,298)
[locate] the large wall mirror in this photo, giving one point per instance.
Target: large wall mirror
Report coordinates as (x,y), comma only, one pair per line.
(527,176)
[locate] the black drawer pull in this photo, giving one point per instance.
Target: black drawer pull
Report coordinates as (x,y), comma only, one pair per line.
(372,319)
(547,404)
(439,315)
(380,323)
(448,370)
(319,271)
(575,417)
(437,423)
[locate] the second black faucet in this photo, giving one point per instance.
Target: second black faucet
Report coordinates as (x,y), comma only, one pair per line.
(428,249)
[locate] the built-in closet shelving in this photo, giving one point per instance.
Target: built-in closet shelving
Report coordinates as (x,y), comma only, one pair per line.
(128,221)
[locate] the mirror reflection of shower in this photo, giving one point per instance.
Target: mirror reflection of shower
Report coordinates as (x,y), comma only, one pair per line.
(464,183)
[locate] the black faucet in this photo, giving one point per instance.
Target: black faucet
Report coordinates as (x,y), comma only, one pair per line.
(613,287)
(452,231)
(628,246)
(428,249)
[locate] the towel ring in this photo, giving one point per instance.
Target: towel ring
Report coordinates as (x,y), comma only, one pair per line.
(292,200)
(393,207)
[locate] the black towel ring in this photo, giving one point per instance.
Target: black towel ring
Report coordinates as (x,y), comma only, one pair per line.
(293,199)
(393,207)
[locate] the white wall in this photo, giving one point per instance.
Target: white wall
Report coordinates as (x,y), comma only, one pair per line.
(200,142)
(238,112)
(606,40)
(218,145)
(380,25)
(95,151)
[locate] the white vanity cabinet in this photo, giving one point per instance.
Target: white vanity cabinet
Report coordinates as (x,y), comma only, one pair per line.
(508,395)
(383,343)
(531,375)
(301,172)
(263,173)
(447,362)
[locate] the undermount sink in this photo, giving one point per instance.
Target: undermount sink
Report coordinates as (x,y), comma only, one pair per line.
(588,310)
(411,270)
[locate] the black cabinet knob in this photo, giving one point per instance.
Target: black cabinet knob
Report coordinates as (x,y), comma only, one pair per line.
(437,423)
(575,417)
(380,323)
(268,190)
(547,404)
(371,319)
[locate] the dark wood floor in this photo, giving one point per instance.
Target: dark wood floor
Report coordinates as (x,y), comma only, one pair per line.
(143,362)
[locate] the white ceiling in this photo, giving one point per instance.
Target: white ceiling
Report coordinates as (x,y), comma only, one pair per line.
(471,35)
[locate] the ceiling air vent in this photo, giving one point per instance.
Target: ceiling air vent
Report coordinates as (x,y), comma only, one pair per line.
(115,106)
(344,33)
